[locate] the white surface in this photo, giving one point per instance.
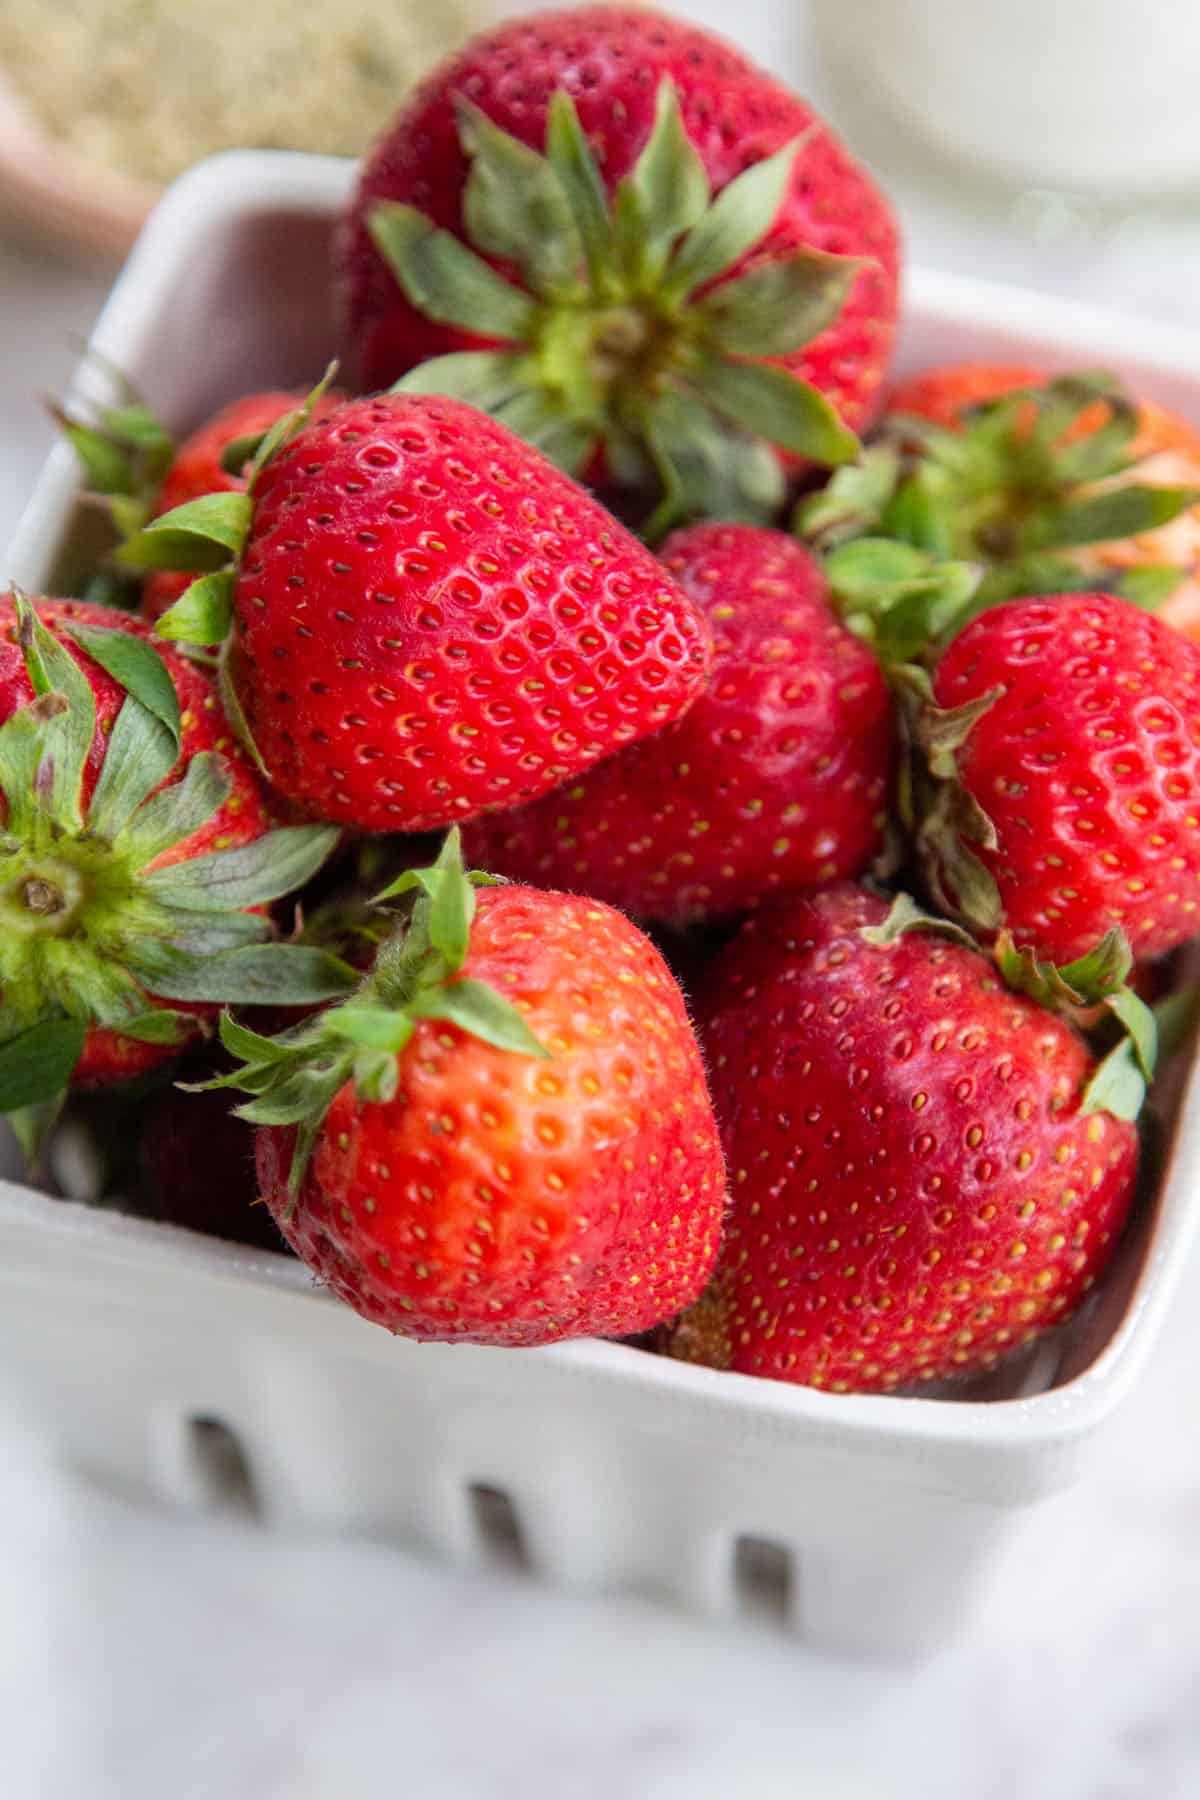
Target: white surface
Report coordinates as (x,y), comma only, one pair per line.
(142,1655)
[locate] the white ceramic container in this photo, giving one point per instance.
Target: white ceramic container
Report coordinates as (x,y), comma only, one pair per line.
(149,1354)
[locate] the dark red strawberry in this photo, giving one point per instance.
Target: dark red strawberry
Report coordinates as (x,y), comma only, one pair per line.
(504,1137)
(776,779)
(1063,804)
(135,856)
(606,300)
(196,1161)
(428,618)
(918,1184)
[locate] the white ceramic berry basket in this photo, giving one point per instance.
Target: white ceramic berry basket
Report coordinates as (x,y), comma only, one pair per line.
(149,1353)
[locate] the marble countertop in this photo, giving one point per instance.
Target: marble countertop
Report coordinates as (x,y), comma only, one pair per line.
(144,1655)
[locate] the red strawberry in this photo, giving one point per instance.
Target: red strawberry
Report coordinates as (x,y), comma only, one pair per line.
(504,1137)
(135,856)
(775,780)
(1064,748)
(132,462)
(431,620)
(197,469)
(645,319)
(916,1186)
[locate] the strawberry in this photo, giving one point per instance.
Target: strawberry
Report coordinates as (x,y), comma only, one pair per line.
(1163,448)
(504,1137)
(1046,483)
(135,856)
(919,1181)
(196,1163)
(131,461)
(636,248)
(1061,799)
(428,619)
(776,779)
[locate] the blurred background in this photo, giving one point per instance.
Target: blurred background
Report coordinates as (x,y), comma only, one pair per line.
(1048,142)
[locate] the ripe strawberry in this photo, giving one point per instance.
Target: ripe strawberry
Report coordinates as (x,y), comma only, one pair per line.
(596,296)
(135,856)
(917,1184)
(428,619)
(776,779)
(504,1137)
(1046,483)
(1064,755)
(131,460)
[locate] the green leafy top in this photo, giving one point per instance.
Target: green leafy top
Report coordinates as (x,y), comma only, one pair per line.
(294,1077)
(125,450)
(624,329)
(92,932)
(1027,479)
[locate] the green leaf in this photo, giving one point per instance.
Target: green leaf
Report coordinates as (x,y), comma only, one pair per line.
(303,1095)
(160,1025)
(241,451)
(445,280)
(37,1065)
(271,866)
(287,426)
(570,156)
(906,916)
(452,902)
(1140,1026)
(231,705)
(1103,970)
(483,378)
(514,206)
(859,569)
(475,1007)
(202,535)
(663,196)
(141,754)
(1119,512)
(372,1027)
(68,733)
(541,419)
(1150,585)
(138,667)
(107,468)
(178,811)
(257,975)
(33,1126)
(775,405)
(742,214)
(707,468)
(775,308)
(852,500)
(250,1046)
(917,514)
(1117,1085)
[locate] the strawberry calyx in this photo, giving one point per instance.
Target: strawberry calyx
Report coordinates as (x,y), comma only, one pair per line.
(1121,1079)
(125,450)
(1027,478)
(620,324)
(416,974)
(901,600)
(94,930)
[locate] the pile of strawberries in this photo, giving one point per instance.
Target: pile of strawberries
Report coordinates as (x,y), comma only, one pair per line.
(586,571)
